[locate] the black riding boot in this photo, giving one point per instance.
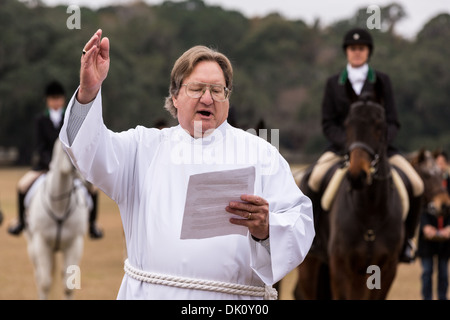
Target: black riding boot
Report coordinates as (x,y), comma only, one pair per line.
(408,253)
(94,232)
(20,225)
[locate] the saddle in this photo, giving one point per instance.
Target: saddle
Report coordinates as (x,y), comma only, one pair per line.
(35,186)
(336,174)
(33,189)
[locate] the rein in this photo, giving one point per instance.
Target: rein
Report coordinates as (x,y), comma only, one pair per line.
(364,146)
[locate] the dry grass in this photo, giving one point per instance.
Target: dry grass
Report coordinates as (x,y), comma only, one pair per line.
(102,261)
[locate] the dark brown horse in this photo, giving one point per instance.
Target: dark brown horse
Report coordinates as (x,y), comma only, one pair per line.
(362,233)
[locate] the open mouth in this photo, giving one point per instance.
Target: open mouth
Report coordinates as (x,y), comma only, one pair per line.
(205,113)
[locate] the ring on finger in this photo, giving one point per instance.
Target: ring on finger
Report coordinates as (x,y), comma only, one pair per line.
(249,217)
(84,52)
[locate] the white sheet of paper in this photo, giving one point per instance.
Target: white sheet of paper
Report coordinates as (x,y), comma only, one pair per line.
(207,196)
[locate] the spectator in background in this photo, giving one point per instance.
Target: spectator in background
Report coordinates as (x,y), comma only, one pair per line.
(434,242)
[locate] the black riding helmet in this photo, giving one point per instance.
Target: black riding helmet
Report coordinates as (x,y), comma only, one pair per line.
(54,88)
(358,36)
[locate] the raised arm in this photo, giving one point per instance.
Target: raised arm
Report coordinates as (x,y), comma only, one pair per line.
(94,67)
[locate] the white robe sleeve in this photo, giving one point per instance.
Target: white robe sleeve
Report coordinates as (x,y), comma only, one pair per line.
(97,147)
(291,227)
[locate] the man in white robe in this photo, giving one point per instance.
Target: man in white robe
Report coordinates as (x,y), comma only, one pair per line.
(146,172)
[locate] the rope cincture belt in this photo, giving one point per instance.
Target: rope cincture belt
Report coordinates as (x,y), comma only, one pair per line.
(267,292)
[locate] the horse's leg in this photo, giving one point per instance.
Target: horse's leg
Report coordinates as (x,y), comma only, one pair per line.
(313,280)
(42,257)
(339,277)
(72,258)
(323,285)
(357,288)
(304,290)
(307,279)
(387,278)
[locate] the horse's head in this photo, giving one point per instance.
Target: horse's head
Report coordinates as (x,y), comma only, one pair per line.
(435,195)
(60,160)
(366,140)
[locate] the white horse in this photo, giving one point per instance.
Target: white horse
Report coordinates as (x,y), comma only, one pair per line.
(57,217)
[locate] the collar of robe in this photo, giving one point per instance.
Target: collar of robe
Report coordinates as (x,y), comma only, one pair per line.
(217,135)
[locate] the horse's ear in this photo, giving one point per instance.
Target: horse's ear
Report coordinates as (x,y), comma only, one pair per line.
(418,157)
(421,156)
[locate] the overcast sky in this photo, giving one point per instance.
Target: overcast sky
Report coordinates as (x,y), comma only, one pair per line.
(418,11)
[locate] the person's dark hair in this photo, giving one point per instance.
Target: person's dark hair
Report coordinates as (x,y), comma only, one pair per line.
(440,152)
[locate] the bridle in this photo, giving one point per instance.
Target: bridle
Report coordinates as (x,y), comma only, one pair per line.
(63,195)
(59,220)
(374,154)
(375,159)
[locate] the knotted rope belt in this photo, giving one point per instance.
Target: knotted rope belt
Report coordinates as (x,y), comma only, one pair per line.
(267,292)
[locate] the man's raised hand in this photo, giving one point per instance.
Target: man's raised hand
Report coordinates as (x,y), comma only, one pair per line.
(94,67)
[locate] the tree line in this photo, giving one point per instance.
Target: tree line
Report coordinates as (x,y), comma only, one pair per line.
(280,67)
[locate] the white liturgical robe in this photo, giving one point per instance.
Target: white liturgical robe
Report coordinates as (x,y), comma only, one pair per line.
(146,172)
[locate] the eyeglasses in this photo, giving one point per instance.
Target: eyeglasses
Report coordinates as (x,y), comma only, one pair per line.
(196,90)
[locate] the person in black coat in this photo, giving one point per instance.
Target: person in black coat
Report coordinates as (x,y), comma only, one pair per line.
(434,241)
(47,126)
(355,81)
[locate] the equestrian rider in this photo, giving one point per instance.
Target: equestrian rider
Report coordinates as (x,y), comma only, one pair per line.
(47,126)
(341,91)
